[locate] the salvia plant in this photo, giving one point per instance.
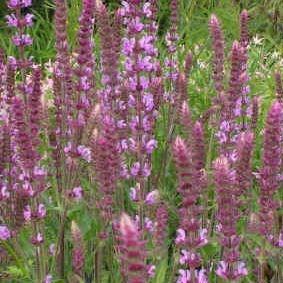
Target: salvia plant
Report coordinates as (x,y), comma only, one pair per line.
(83,162)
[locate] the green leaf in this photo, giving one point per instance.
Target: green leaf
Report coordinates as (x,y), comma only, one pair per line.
(160,275)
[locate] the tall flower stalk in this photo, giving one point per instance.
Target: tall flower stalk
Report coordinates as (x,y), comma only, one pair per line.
(140,69)
(230,267)
(132,250)
(190,236)
(269,174)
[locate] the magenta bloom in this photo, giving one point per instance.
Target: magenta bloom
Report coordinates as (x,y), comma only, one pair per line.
(5,233)
(13,21)
(22,40)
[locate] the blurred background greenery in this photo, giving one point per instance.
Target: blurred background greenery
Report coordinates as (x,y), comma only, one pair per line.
(266,21)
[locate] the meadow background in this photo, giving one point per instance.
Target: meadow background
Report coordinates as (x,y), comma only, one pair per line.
(265,57)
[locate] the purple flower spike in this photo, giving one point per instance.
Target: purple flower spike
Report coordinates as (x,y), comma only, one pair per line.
(228,215)
(132,249)
(218,56)
(269,173)
(243,163)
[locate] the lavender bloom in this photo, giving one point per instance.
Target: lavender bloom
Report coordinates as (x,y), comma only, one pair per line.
(224,272)
(5,233)
(271,161)
(185,276)
(141,82)
(48,278)
(22,40)
(20,22)
(41,211)
(152,197)
(16,4)
(84,152)
(13,21)
(76,193)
